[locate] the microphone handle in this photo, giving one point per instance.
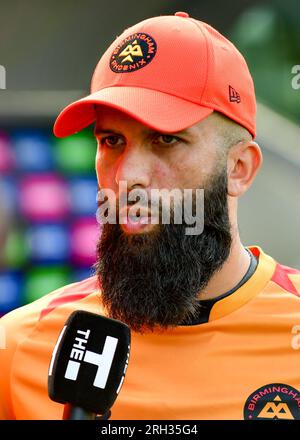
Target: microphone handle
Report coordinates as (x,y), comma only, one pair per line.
(72,412)
(76,413)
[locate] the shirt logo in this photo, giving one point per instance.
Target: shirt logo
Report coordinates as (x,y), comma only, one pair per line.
(133,53)
(273,402)
(276,409)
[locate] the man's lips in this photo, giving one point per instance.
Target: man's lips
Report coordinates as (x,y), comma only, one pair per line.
(136,215)
(135,220)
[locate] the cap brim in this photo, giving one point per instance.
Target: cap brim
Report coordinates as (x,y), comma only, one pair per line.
(160,111)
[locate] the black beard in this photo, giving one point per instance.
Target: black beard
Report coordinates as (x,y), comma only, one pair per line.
(153,280)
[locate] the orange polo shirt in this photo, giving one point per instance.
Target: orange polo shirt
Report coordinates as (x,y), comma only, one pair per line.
(243,363)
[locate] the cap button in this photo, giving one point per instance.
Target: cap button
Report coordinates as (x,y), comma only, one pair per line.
(181,14)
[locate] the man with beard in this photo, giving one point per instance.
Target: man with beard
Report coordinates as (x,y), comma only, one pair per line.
(154,274)
(211,320)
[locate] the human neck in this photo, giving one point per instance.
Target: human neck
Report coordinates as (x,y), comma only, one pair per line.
(232,271)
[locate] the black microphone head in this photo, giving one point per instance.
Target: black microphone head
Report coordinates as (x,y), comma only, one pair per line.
(89,362)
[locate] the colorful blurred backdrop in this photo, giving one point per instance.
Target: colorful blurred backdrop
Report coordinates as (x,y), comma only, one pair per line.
(48,51)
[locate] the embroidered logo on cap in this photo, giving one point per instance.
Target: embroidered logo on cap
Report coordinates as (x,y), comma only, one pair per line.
(234,96)
(133,53)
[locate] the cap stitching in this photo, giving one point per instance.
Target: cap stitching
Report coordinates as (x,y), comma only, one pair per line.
(211,103)
(196,22)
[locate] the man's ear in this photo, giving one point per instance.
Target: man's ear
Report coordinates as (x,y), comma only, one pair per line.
(243,161)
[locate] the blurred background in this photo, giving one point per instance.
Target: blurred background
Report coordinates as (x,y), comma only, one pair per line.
(48,51)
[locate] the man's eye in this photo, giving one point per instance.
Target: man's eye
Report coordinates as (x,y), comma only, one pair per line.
(167,139)
(111,141)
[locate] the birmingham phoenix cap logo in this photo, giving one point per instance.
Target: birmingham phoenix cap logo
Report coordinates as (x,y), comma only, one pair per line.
(133,53)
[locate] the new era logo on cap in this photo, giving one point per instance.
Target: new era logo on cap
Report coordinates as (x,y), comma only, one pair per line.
(234,96)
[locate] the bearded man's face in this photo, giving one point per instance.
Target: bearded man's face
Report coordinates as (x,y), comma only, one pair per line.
(151,276)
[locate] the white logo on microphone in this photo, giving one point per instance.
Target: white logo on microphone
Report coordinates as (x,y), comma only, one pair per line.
(102,360)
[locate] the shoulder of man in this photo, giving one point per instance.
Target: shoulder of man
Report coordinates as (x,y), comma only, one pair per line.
(19,324)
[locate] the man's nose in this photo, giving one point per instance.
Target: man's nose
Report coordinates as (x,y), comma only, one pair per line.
(134,167)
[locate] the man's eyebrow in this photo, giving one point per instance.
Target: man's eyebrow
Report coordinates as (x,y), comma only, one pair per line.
(186,131)
(102,130)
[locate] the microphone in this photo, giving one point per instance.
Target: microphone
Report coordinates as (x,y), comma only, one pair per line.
(88,365)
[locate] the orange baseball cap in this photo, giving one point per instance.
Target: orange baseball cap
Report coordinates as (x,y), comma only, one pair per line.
(169,73)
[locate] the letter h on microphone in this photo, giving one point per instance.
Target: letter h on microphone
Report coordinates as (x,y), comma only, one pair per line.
(102,361)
